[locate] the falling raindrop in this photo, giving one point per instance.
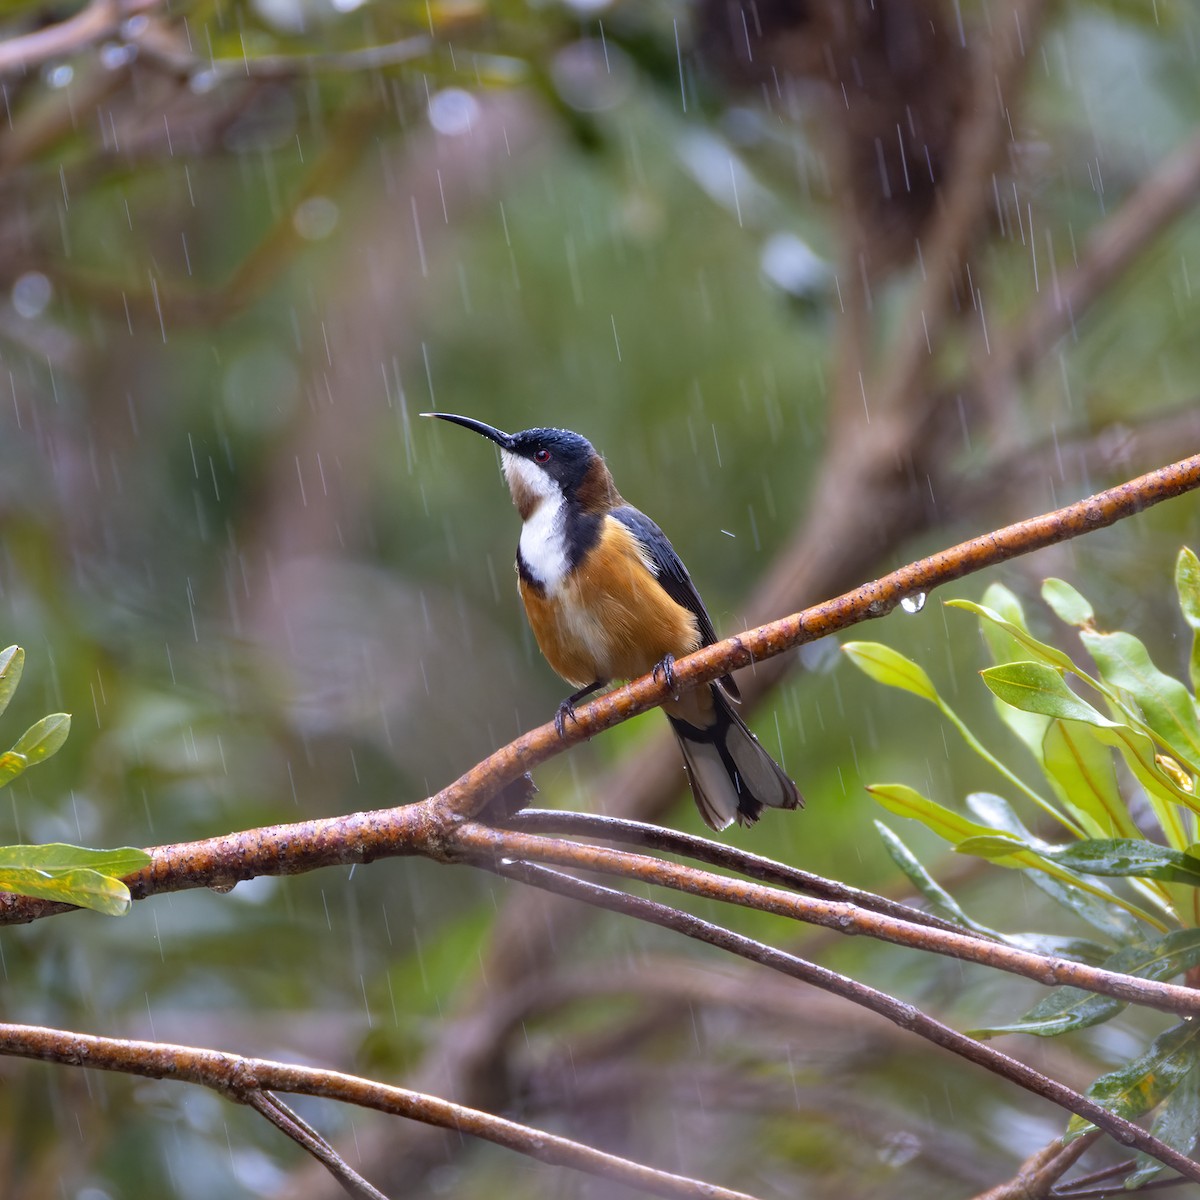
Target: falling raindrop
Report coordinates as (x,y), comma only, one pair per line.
(913,603)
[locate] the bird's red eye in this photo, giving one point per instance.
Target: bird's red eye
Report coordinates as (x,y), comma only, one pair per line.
(542,455)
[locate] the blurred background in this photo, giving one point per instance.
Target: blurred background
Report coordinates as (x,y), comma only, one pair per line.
(831,284)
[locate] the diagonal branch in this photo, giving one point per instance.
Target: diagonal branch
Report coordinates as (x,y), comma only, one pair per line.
(304,1135)
(753,866)
(428,828)
(99,20)
(243,1079)
(904,1015)
(483,846)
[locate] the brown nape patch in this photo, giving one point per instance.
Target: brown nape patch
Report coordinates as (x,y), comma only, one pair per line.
(596,492)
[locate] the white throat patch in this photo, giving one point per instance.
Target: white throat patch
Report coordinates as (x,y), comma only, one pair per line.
(543,535)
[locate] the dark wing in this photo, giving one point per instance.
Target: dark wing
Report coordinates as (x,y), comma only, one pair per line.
(672,575)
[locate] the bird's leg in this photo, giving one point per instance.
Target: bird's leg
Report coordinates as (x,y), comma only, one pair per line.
(567,708)
(667,669)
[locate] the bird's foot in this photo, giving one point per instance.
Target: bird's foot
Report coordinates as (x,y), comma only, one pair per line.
(566,712)
(666,669)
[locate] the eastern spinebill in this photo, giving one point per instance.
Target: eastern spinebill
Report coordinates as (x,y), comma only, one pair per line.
(608,598)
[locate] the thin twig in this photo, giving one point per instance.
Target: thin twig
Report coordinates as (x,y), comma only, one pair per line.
(240,1078)
(1170,190)
(161,51)
(754,866)
(99,20)
(1041,1170)
(904,1015)
(482,846)
(304,1135)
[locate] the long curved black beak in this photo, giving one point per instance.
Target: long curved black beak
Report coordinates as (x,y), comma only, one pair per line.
(503,440)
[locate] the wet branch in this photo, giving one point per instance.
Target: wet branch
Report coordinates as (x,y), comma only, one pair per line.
(904,1015)
(250,1080)
(431,828)
(716,854)
(483,846)
(99,20)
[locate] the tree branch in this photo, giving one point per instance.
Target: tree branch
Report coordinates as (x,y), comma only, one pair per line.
(904,1015)
(428,827)
(99,20)
(731,858)
(483,846)
(242,1079)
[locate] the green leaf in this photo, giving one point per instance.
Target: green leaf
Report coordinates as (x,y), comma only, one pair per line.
(1128,856)
(72,874)
(1144,1083)
(12,663)
(1081,770)
(992,845)
(1069,1008)
(940,900)
(87,889)
(60,856)
(1163,703)
(1067,603)
(35,745)
(1177,1123)
(1020,635)
(1187,585)
(908,802)
(44,738)
(889,667)
(1004,604)
(1036,687)
(957,829)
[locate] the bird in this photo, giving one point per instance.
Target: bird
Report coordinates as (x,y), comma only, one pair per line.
(608,598)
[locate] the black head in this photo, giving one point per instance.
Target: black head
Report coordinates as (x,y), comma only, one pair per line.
(561,455)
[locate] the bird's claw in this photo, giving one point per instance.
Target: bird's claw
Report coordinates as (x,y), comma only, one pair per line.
(566,711)
(667,670)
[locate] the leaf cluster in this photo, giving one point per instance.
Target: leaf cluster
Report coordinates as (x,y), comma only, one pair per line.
(1118,749)
(58,872)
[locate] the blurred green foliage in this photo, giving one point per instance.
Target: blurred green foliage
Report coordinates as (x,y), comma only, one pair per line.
(266,592)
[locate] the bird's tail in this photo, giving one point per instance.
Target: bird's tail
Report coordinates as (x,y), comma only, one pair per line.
(732,776)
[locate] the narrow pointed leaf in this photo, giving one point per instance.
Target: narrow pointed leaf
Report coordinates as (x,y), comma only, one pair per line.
(1036,687)
(59,856)
(1067,603)
(12,663)
(83,887)
(992,845)
(890,667)
(1177,1123)
(1069,1008)
(957,829)
(1162,702)
(1144,1083)
(1187,584)
(940,901)
(908,802)
(44,738)
(1116,857)
(1039,650)
(1081,770)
